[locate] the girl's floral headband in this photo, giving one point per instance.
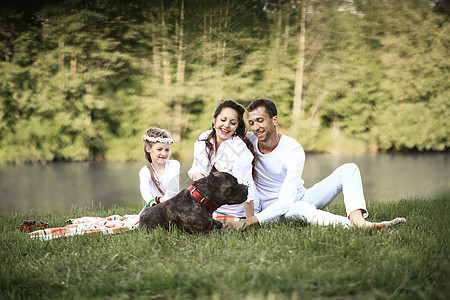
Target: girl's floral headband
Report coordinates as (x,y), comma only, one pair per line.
(152,139)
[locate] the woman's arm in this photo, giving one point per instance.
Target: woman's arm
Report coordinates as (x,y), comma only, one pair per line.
(242,170)
(200,163)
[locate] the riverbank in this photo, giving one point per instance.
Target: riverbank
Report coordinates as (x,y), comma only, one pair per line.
(60,187)
(290,261)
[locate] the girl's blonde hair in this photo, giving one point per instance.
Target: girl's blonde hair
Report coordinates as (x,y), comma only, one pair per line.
(151,137)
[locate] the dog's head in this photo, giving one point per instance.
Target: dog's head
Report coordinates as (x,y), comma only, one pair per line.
(221,188)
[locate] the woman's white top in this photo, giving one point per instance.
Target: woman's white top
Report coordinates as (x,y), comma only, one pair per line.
(232,157)
(170,182)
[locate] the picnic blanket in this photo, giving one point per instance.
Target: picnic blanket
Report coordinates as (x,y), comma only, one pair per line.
(89,226)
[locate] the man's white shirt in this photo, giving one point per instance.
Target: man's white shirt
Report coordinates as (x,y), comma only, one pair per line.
(279,177)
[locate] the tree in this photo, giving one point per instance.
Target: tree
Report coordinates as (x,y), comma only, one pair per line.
(82,80)
(297,106)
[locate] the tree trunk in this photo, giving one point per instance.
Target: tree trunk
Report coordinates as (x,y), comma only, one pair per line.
(224,43)
(155,47)
(279,24)
(165,52)
(10,51)
(178,108)
(15,96)
(207,32)
(73,62)
(61,56)
(297,105)
(181,62)
(287,26)
(222,51)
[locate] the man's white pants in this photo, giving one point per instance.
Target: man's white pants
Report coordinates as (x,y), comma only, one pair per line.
(346,179)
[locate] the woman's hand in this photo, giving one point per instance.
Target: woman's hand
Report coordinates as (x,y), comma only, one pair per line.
(197,176)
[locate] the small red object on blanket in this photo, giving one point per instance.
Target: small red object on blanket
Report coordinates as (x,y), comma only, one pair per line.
(32,224)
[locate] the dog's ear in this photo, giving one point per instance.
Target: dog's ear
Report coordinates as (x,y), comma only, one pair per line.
(213,179)
(214,169)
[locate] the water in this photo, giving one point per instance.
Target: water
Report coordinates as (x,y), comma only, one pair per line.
(64,186)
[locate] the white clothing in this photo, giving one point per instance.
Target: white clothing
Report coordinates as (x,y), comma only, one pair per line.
(279,177)
(169,182)
(232,157)
(345,178)
(282,193)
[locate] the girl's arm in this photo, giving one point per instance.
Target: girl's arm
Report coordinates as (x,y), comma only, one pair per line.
(173,184)
(144,184)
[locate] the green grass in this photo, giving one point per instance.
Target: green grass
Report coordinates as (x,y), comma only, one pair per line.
(288,261)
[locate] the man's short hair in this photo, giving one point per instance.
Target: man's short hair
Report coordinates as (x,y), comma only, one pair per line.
(269,105)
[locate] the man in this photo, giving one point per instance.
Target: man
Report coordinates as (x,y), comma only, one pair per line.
(279,167)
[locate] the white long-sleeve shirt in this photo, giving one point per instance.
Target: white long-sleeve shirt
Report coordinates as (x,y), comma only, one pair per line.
(232,157)
(170,182)
(279,177)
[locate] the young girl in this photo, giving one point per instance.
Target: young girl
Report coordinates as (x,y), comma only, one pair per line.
(159,178)
(225,148)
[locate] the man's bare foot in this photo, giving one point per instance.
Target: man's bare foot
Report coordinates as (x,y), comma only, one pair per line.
(379,225)
(357,219)
(385,224)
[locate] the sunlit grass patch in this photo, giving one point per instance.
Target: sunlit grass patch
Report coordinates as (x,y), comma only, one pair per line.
(286,261)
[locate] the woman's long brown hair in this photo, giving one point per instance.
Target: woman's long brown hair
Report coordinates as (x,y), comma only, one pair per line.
(240,131)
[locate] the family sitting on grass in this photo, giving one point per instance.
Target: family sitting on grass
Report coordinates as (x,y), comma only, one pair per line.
(268,162)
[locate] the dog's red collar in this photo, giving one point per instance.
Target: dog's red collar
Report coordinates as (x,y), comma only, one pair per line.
(199,197)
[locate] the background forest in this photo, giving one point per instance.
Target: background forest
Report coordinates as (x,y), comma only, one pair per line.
(82,80)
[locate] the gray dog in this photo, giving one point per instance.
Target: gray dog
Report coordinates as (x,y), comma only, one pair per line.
(192,208)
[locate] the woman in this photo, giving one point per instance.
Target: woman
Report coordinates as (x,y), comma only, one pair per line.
(159,178)
(225,148)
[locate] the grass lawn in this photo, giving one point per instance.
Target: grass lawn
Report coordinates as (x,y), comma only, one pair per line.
(288,261)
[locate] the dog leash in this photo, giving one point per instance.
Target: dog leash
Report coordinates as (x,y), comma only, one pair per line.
(194,192)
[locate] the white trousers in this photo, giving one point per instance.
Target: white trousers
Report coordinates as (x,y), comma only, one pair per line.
(346,179)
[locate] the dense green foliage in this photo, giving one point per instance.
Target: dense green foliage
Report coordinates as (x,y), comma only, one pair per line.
(288,261)
(82,80)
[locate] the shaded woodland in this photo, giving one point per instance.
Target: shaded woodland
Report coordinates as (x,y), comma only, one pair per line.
(82,80)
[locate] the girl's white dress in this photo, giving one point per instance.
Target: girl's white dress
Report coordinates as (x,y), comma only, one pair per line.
(170,182)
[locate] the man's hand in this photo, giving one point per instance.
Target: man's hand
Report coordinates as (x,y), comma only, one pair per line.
(241,225)
(236,225)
